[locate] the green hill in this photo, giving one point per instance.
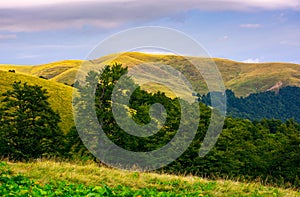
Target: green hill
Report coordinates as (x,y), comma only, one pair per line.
(49,176)
(57,71)
(242,78)
(60,94)
(90,179)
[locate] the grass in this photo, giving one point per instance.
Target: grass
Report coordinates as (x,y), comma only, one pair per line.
(50,71)
(242,78)
(60,94)
(92,175)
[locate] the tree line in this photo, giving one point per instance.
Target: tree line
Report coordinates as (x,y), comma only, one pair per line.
(282,105)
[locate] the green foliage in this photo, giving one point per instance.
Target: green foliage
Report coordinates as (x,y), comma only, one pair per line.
(29,127)
(19,185)
(74,148)
(60,95)
(109,182)
(139,105)
(249,151)
(138,109)
(267,149)
(283,105)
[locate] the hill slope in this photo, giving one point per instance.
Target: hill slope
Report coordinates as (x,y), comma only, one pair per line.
(57,71)
(242,78)
(60,94)
(136,183)
(282,105)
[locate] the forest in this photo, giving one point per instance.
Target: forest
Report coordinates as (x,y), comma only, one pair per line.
(261,147)
(282,105)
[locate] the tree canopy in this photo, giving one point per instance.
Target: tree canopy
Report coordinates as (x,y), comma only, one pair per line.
(29,126)
(283,105)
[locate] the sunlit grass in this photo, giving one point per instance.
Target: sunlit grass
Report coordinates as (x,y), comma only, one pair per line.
(242,78)
(91,174)
(60,94)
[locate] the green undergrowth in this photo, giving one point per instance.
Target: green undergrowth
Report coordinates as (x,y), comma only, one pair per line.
(49,178)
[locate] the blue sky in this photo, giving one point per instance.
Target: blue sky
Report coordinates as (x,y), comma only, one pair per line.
(36,32)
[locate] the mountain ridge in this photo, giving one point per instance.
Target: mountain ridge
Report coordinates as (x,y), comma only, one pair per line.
(242,78)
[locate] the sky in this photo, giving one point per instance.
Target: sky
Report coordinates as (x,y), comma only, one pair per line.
(36,32)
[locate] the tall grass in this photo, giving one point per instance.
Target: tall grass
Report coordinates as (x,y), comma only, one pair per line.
(93,174)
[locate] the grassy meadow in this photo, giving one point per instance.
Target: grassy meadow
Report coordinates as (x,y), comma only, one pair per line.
(90,176)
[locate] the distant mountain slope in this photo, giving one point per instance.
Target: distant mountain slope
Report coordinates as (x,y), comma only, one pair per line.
(281,105)
(60,94)
(242,78)
(57,71)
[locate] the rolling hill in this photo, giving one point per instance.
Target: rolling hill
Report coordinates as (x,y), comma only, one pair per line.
(60,94)
(242,78)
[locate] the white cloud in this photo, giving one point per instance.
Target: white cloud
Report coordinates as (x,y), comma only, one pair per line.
(30,15)
(197,4)
(7,36)
(251,60)
(155,51)
(34,3)
(26,56)
(271,4)
(282,17)
(290,43)
(224,38)
(250,25)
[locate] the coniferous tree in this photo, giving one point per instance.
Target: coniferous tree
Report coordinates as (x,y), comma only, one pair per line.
(29,127)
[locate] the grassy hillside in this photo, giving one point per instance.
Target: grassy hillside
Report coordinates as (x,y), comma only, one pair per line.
(57,71)
(60,94)
(242,78)
(90,174)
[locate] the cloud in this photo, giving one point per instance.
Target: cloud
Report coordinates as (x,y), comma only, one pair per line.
(29,15)
(224,38)
(282,17)
(290,43)
(249,25)
(197,4)
(251,60)
(7,36)
(32,3)
(26,56)
(150,50)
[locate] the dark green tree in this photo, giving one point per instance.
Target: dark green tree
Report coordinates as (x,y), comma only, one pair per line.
(29,127)
(283,105)
(139,106)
